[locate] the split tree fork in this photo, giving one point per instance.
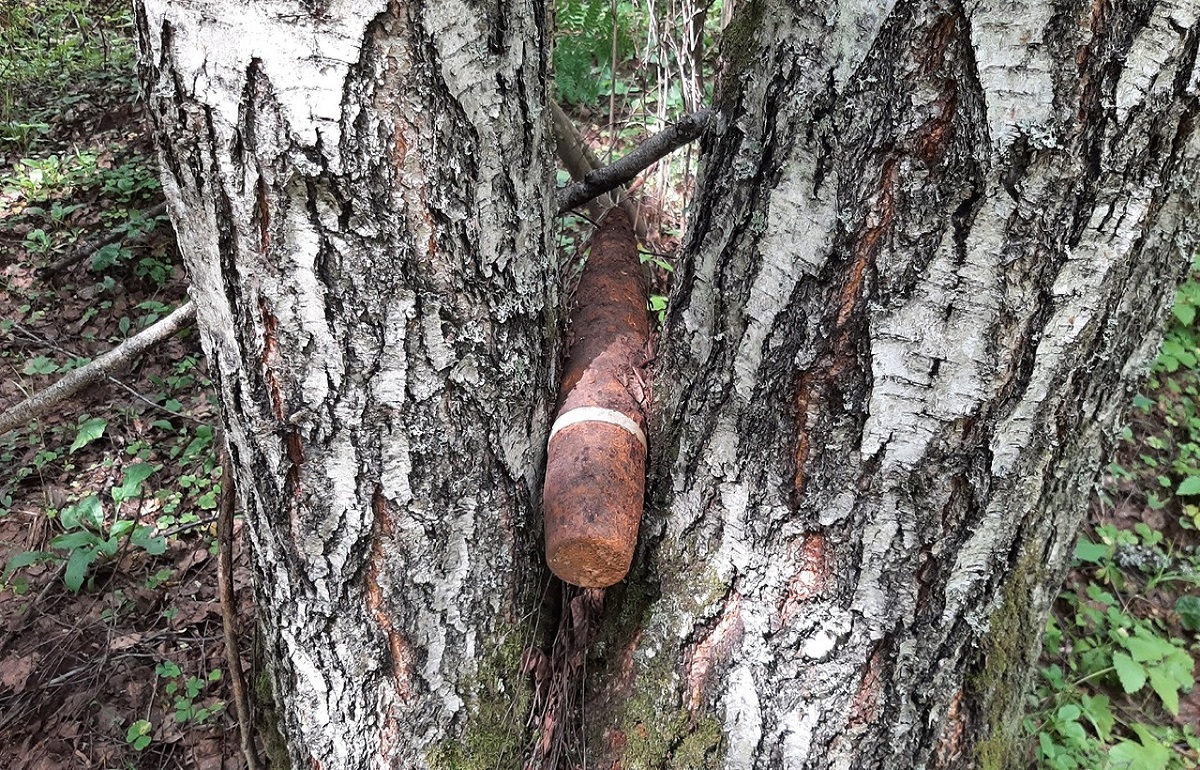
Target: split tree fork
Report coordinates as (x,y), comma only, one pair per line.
(931,250)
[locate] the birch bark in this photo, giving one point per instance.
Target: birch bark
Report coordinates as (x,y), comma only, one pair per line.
(361,193)
(934,244)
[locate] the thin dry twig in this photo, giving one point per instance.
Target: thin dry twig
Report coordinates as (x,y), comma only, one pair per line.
(38,339)
(43,401)
(602,180)
(16,625)
(233,657)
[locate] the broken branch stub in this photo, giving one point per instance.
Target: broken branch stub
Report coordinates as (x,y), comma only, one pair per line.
(596,460)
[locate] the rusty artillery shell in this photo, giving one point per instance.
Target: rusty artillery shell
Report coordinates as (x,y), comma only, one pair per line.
(596,459)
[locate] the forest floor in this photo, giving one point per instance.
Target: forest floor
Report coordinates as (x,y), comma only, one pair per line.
(112,654)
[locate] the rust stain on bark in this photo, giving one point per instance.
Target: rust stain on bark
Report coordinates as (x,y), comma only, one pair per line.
(293,447)
(270,358)
(398,646)
(811,576)
(401,151)
(595,467)
(936,133)
(814,385)
(867,246)
(712,651)
(1090,80)
(295,453)
(865,710)
(950,745)
(933,52)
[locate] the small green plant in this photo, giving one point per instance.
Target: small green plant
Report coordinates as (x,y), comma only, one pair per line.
(185,692)
(130,181)
(139,735)
(1120,647)
(52,51)
(1108,648)
(88,537)
(583,47)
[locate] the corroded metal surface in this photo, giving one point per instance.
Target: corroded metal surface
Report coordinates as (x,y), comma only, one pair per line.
(595,468)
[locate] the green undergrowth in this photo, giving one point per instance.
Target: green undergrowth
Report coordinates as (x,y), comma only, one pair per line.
(56,59)
(624,70)
(1117,685)
(107,502)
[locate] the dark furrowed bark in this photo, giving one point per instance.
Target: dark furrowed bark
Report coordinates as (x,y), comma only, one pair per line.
(930,259)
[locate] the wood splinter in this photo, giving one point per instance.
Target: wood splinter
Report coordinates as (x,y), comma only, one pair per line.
(596,460)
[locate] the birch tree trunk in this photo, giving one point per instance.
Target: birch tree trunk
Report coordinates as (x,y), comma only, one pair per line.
(933,247)
(361,193)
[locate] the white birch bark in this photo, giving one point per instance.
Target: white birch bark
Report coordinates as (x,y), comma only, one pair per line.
(361,193)
(933,249)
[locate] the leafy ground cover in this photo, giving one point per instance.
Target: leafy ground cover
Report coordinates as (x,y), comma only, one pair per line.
(111,653)
(1117,688)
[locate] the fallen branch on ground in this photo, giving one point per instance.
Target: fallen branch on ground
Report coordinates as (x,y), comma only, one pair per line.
(91,247)
(577,158)
(42,402)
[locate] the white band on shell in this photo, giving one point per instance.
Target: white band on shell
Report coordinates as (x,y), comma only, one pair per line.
(597,414)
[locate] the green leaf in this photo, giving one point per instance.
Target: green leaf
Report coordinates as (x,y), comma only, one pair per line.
(1145,647)
(1189,486)
(77,566)
(109,547)
(1130,672)
(1089,552)
(1072,731)
(25,559)
(1180,665)
(1188,609)
(108,255)
(1128,755)
(143,537)
(40,365)
(138,734)
(1185,312)
(121,528)
(1156,755)
(80,538)
(131,485)
(88,432)
(1166,688)
(84,513)
(1068,713)
(1047,745)
(1098,710)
